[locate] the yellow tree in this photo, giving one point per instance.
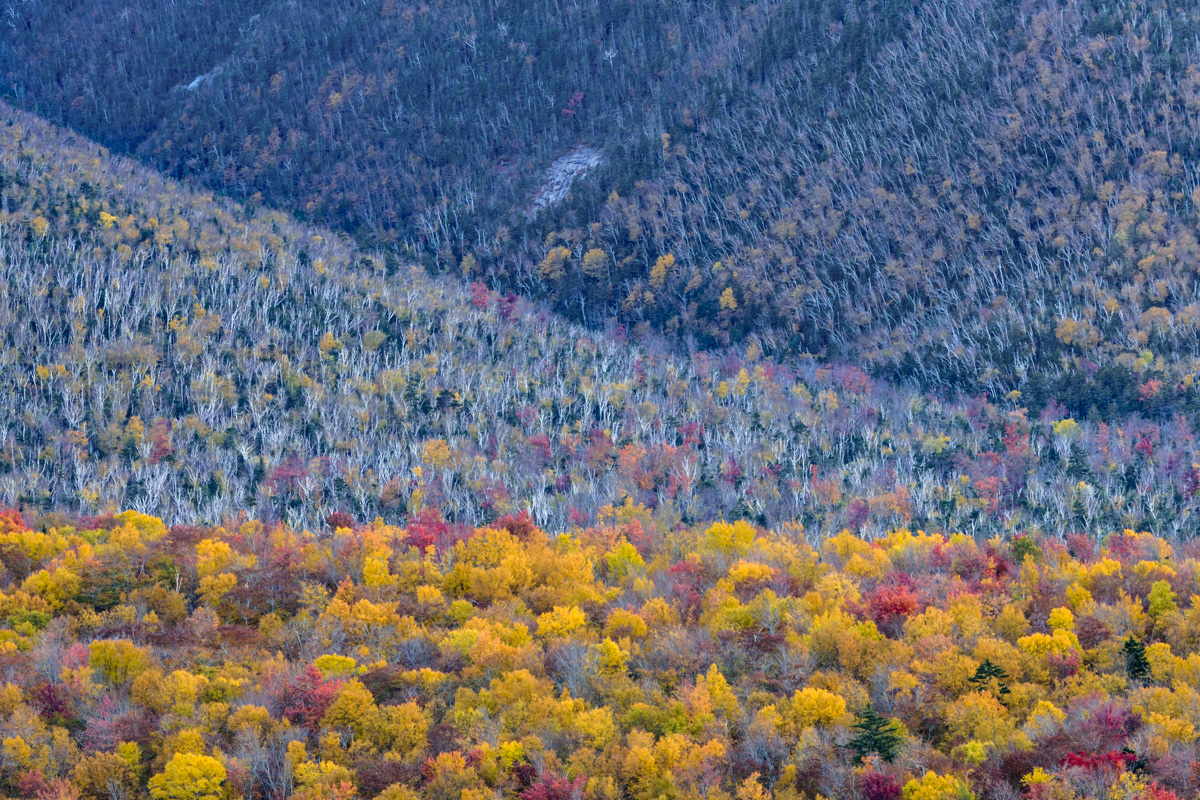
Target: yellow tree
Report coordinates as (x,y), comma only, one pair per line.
(189,776)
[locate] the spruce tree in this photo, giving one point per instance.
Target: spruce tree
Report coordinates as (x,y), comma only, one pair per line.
(1077,465)
(876,735)
(986,672)
(1136,665)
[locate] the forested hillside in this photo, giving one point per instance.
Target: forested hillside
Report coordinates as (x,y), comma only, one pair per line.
(621,662)
(748,400)
(192,358)
(983,196)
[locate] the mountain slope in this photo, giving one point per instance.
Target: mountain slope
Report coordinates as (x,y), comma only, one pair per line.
(969,194)
(197,359)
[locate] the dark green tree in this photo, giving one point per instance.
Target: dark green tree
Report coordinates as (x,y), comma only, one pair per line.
(1136,665)
(987,671)
(1024,546)
(877,734)
(1077,466)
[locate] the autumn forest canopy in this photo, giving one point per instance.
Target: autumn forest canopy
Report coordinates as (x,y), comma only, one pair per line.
(614,400)
(620,660)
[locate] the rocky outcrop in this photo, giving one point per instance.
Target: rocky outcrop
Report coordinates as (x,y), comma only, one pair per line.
(562,174)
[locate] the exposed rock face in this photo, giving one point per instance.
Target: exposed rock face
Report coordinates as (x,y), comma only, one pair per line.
(202,79)
(562,174)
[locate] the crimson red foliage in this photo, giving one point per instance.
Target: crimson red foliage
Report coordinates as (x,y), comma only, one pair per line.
(880,786)
(888,606)
(340,519)
(555,788)
(53,703)
(1113,759)
(306,698)
(425,529)
(1064,666)
(519,525)
(479,295)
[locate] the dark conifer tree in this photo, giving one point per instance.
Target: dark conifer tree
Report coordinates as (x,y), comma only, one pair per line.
(877,734)
(1137,667)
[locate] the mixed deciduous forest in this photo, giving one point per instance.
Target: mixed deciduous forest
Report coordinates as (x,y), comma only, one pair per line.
(620,661)
(750,400)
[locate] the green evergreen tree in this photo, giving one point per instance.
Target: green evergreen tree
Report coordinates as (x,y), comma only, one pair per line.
(1077,465)
(1136,665)
(985,672)
(877,734)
